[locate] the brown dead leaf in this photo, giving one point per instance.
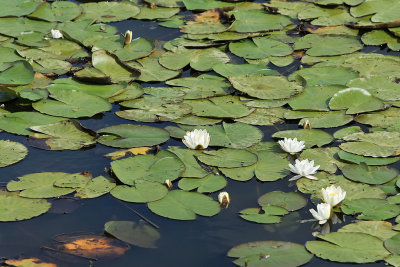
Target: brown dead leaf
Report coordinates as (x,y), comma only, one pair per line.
(122,153)
(209,17)
(91,245)
(30,262)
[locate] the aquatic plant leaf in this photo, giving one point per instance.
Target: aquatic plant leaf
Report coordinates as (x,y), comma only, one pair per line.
(339,134)
(270,166)
(128,135)
(381,87)
(71,104)
(16,73)
(15,208)
(199,59)
(369,174)
(326,16)
(382,11)
(204,4)
(132,91)
(61,135)
(370,208)
(108,11)
(15,26)
(380,37)
(229,70)
(260,47)
(320,119)
(189,158)
(194,120)
(264,116)
(18,8)
(125,152)
(324,76)
(355,100)
(41,184)
(326,157)
(136,233)
(241,174)
(348,247)
(182,205)
(90,245)
(354,190)
(11,152)
(210,21)
(228,158)
(138,48)
(152,71)
(272,214)
(269,254)
(311,137)
(343,155)
(219,107)
(141,192)
(57,11)
(96,187)
(166,3)
(385,119)
(381,229)
(207,184)
(258,21)
(290,201)
(393,244)
(328,45)
(154,168)
(152,13)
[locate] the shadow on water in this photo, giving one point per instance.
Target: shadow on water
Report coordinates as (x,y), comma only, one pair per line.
(203,242)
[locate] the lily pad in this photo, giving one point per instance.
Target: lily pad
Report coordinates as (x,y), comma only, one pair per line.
(272,214)
(381,229)
(96,187)
(15,208)
(290,201)
(128,135)
(370,208)
(11,152)
(182,205)
(108,11)
(269,254)
(228,158)
(343,155)
(369,174)
(189,158)
(208,184)
(136,233)
(355,100)
(141,192)
(311,137)
(326,157)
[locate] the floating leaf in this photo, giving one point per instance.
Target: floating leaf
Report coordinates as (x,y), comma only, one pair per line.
(15,73)
(393,244)
(127,136)
(229,70)
(348,247)
(343,155)
(270,253)
(108,11)
(320,119)
(259,48)
(229,158)
(141,192)
(208,184)
(370,208)
(11,152)
(380,229)
(311,137)
(290,201)
(272,214)
(369,174)
(155,168)
(355,100)
(325,75)
(327,158)
(139,234)
(384,11)
(15,208)
(182,205)
(189,159)
(96,187)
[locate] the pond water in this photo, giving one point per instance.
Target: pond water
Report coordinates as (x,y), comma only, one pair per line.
(201,242)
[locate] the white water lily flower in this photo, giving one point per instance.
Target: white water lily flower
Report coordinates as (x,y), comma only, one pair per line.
(303,168)
(197,139)
(56,34)
(223,198)
(333,195)
(128,37)
(291,146)
(323,214)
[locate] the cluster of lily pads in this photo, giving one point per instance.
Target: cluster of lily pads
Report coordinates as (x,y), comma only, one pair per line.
(61,61)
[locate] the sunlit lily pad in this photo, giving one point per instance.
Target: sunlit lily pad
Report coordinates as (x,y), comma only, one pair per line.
(208,184)
(154,168)
(269,254)
(320,119)
(11,152)
(128,135)
(96,187)
(136,233)
(370,209)
(15,208)
(189,158)
(380,229)
(348,247)
(264,116)
(369,174)
(383,11)
(325,75)
(229,158)
(182,205)
(16,73)
(141,192)
(260,47)
(355,100)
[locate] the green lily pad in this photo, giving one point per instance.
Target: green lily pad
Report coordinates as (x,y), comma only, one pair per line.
(355,100)
(264,116)
(265,87)
(108,11)
(320,119)
(210,21)
(16,73)
(61,135)
(208,184)
(229,70)
(228,158)
(270,166)
(96,187)
(151,13)
(370,208)
(339,134)
(290,201)
(71,104)
(369,174)
(19,8)
(343,155)
(381,229)
(136,233)
(311,137)
(15,208)
(325,76)
(141,192)
(15,26)
(326,157)
(272,214)
(188,157)
(260,47)
(154,168)
(204,4)
(199,59)
(382,11)
(138,48)
(348,247)
(384,119)
(41,184)
(127,136)
(393,244)
(382,87)
(57,11)
(380,37)
(182,205)
(269,254)
(11,152)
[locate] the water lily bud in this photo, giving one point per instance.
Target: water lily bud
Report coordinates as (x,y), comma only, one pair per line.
(128,37)
(223,199)
(168,184)
(307,124)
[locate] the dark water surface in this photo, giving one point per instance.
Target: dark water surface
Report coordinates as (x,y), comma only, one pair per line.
(203,242)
